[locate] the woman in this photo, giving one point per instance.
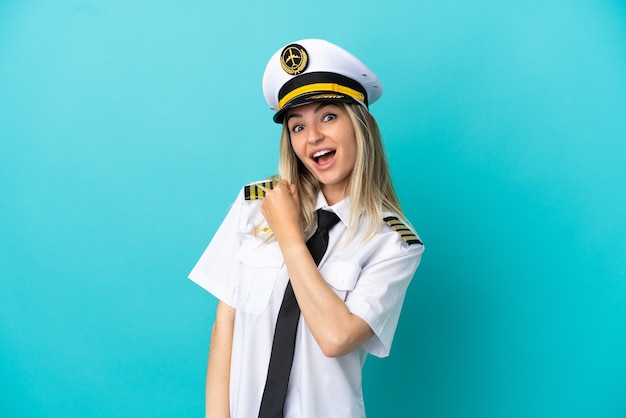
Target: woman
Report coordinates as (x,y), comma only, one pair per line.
(301,306)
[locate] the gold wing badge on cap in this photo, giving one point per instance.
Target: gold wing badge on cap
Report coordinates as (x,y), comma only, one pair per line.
(256,191)
(294,59)
(404,231)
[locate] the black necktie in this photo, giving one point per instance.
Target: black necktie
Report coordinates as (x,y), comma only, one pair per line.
(284,343)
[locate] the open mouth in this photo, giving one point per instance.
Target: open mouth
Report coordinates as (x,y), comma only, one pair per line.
(323,156)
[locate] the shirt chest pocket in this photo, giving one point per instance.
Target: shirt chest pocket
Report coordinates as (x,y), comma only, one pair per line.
(341,276)
(260,266)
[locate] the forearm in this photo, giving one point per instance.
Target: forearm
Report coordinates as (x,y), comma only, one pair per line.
(218,369)
(334,327)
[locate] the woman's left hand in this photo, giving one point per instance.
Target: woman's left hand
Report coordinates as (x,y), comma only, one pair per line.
(281,209)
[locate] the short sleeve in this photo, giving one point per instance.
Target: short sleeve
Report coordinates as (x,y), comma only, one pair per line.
(217,269)
(379,295)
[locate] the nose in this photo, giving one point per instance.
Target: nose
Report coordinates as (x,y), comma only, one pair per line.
(314,134)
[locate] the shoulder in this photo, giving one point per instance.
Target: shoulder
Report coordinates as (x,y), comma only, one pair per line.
(246,209)
(400,230)
(257,190)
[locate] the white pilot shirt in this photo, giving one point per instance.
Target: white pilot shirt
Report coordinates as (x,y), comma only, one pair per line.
(249,274)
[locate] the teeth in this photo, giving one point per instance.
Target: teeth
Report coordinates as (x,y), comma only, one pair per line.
(320,153)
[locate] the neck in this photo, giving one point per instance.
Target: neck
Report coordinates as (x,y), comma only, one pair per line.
(333,195)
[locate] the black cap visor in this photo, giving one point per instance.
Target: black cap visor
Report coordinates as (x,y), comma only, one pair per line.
(312,98)
(318,87)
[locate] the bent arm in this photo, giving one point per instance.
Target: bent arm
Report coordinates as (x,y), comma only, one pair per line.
(337,330)
(218,369)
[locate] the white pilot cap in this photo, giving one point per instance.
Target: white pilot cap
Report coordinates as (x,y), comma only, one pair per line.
(313,70)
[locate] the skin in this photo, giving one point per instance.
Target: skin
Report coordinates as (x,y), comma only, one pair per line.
(218,369)
(314,127)
(318,127)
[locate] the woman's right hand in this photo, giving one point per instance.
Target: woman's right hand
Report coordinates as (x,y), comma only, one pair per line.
(281,209)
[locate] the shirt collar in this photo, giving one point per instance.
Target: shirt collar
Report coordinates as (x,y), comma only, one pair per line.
(342,208)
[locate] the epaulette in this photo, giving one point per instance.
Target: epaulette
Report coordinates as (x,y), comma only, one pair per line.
(256,191)
(404,231)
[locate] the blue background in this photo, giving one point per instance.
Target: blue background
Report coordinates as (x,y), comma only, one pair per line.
(127,128)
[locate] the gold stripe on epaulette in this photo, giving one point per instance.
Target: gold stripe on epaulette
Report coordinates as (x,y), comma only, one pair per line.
(404,231)
(257,191)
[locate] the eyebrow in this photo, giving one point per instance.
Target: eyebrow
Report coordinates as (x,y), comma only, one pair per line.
(317,109)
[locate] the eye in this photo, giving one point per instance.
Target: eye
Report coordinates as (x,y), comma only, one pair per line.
(328,117)
(297,128)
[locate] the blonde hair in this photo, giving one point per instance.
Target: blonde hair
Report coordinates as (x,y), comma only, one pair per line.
(370,190)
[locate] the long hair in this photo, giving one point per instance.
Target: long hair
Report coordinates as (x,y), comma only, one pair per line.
(370,188)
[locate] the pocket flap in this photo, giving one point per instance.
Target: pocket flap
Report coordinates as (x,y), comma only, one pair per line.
(255,254)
